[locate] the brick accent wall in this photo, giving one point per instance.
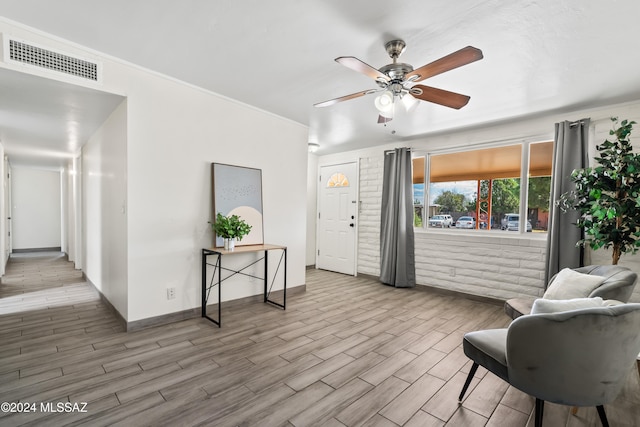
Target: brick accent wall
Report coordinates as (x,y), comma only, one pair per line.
(501,266)
(371,169)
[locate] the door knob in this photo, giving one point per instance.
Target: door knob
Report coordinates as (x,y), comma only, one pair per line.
(351,225)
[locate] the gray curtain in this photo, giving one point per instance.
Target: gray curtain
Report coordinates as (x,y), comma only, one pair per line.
(397,249)
(570,152)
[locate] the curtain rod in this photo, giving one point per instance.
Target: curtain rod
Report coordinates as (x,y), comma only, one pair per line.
(574,124)
(394,150)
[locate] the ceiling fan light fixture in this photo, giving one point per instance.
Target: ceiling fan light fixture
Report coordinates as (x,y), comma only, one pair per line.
(384,102)
(410,103)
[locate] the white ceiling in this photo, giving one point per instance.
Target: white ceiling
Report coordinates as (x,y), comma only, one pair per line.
(43,122)
(539,56)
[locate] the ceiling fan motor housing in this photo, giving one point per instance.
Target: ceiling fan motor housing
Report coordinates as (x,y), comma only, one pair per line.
(395,48)
(396,71)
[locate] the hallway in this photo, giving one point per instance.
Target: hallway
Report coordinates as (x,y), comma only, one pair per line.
(40,280)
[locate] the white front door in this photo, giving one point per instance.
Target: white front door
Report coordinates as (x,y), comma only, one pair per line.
(337,222)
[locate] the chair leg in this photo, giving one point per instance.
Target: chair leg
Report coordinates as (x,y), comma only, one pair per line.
(603,416)
(472,372)
(539,412)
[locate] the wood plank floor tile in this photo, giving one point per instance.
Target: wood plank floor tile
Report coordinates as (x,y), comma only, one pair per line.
(340,346)
(468,418)
(445,402)
(420,365)
(388,367)
(310,347)
(173,377)
(379,421)
(321,370)
(403,407)
(277,414)
(324,409)
(486,396)
(262,401)
(350,371)
(422,419)
(369,345)
(368,405)
(505,416)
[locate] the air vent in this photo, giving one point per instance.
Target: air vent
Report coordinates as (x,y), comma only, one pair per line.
(44,58)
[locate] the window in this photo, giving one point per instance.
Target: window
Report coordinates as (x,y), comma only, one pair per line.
(338,179)
(485,185)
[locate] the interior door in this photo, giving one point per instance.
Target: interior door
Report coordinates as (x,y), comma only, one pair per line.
(337,222)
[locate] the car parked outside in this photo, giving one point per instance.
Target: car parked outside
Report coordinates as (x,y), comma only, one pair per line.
(466,222)
(511,222)
(441,221)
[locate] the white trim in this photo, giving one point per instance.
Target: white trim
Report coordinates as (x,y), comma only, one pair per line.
(491,144)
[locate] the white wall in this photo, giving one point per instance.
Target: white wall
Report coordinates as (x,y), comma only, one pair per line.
(104,202)
(72,242)
(312,210)
(4,196)
(500,267)
(36,207)
(174,132)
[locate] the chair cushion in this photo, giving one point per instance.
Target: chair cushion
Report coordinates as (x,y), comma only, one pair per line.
(488,349)
(542,305)
(570,284)
(516,307)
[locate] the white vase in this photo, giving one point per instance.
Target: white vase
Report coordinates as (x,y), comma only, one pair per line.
(229,244)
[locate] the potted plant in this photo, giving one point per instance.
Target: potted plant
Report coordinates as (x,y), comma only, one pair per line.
(230,228)
(608,195)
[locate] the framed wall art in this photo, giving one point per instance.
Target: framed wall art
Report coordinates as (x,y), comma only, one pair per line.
(237,190)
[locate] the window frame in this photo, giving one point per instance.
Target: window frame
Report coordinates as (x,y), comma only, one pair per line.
(525,145)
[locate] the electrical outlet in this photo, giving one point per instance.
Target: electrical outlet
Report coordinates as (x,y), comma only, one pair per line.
(171,293)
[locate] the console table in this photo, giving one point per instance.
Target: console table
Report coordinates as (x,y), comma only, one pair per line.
(217,279)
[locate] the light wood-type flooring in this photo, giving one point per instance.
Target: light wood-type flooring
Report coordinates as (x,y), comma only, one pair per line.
(347,352)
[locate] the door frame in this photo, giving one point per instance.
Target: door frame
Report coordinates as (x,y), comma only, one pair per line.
(358,208)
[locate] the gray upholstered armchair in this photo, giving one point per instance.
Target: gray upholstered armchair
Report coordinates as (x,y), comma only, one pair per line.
(576,358)
(618,285)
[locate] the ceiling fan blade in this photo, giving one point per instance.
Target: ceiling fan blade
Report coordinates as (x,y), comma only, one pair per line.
(457,59)
(439,96)
(345,98)
(361,67)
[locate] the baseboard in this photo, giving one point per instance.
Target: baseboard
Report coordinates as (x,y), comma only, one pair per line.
(106,302)
(52,249)
(179,316)
(164,319)
(442,291)
(197,311)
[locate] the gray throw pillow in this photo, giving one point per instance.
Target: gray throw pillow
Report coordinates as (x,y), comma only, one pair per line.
(543,306)
(570,284)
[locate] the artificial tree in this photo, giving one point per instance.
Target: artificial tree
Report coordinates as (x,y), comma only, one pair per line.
(608,195)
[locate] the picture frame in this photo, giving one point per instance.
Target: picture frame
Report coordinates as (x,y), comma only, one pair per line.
(237,190)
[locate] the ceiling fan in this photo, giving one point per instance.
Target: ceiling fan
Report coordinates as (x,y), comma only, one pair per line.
(396,80)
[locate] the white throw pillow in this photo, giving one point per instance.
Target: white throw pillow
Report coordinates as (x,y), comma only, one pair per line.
(542,306)
(570,284)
